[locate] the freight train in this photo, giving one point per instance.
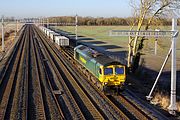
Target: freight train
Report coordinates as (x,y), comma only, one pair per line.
(108,74)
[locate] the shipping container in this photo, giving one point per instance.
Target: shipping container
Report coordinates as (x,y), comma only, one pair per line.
(48,32)
(62,40)
(52,35)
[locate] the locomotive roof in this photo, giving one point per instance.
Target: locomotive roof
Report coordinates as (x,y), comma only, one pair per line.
(105,60)
(100,58)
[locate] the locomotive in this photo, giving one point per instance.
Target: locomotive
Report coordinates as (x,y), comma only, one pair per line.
(110,74)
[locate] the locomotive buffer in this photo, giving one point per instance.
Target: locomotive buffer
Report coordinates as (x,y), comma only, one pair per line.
(171,33)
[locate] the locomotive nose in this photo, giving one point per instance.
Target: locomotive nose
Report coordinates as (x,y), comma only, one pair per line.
(114,78)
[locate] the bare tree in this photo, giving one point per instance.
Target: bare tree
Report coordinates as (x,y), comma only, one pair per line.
(145,11)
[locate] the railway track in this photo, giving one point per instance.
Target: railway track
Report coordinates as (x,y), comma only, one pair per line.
(84,104)
(57,87)
(9,78)
(90,91)
(39,81)
(105,109)
(22,93)
(131,110)
(121,101)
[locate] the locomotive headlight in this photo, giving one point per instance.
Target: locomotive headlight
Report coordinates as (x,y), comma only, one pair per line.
(105,83)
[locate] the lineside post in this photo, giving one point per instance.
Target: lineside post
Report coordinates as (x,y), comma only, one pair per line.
(3,33)
(47,23)
(16,26)
(76,22)
(43,21)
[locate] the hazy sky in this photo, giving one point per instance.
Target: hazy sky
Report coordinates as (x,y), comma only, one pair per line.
(37,8)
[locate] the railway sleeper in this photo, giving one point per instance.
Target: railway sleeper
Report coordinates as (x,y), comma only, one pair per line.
(45,59)
(58,92)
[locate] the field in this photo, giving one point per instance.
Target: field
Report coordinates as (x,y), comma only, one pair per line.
(101,33)
(8,40)
(99,36)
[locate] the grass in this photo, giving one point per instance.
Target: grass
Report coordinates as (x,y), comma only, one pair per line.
(101,33)
(163,101)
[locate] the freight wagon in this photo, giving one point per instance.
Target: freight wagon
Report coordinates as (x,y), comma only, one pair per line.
(52,35)
(62,40)
(55,37)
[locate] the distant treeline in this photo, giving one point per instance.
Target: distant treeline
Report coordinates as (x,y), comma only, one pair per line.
(107,21)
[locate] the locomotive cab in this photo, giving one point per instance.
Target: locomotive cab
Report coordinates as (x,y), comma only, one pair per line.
(113,75)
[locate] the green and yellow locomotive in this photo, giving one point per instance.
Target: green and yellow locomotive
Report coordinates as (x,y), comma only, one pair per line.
(110,74)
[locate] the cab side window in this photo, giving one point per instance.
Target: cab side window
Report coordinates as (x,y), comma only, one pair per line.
(100,71)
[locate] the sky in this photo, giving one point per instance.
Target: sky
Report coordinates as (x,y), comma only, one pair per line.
(47,8)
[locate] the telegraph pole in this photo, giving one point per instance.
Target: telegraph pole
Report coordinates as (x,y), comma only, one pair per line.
(16,26)
(47,23)
(39,21)
(43,21)
(76,22)
(3,33)
(15,29)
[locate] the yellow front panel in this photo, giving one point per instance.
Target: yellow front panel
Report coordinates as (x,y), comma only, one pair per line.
(113,80)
